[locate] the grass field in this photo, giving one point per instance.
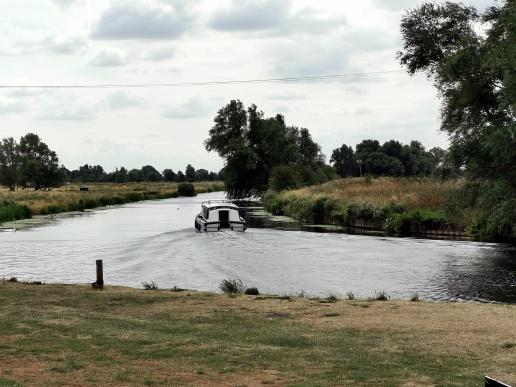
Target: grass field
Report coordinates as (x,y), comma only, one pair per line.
(411,193)
(398,205)
(70,198)
(72,335)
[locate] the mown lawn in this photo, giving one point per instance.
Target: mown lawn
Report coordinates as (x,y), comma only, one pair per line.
(73,335)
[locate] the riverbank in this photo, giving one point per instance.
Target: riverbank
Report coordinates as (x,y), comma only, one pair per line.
(23,204)
(398,206)
(73,335)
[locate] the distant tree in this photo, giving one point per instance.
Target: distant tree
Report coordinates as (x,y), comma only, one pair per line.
(120,175)
(180,177)
(149,173)
(393,148)
(202,175)
(366,147)
(134,175)
(9,160)
(343,159)
(213,176)
(190,173)
(378,163)
(169,175)
(39,166)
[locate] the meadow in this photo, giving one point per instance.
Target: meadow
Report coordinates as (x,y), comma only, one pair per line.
(21,203)
(75,335)
(397,205)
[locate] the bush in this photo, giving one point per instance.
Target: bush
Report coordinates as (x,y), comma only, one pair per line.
(252,292)
(414,297)
(150,285)
(381,296)
(11,211)
(186,189)
(232,286)
(350,295)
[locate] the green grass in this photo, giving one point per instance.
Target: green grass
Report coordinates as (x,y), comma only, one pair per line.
(130,336)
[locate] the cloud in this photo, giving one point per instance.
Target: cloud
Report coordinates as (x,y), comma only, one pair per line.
(66,4)
(161,54)
(109,58)
(10,107)
(132,21)
(121,100)
(395,5)
(68,114)
(19,41)
(272,16)
(363,111)
(193,108)
(286,96)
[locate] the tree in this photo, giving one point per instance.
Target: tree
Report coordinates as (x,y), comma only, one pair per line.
(202,175)
(9,159)
(169,175)
(252,145)
(149,173)
(180,177)
(473,70)
(39,166)
(343,159)
(190,173)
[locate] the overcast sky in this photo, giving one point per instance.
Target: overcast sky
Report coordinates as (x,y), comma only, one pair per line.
(155,41)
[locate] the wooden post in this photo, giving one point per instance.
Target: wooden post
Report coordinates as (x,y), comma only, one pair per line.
(99,284)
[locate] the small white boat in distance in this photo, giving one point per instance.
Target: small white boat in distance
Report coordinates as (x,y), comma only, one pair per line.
(219,215)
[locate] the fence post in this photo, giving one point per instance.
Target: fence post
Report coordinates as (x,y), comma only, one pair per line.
(99,284)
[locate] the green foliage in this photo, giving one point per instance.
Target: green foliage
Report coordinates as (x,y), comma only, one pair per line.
(259,150)
(232,286)
(252,292)
(473,69)
(29,163)
(186,189)
(11,211)
(390,159)
(381,296)
(414,222)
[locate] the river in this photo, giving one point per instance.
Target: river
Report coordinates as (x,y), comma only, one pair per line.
(156,241)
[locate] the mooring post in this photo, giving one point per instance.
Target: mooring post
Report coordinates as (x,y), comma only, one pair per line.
(99,284)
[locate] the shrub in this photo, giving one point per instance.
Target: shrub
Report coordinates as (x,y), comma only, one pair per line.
(150,285)
(232,286)
(186,189)
(177,290)
(381,296)
(13,279)
(332,298)
(414,297)
(252,292)
(11,211)
(350,295)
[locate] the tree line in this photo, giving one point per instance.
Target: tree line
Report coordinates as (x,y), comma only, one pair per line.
(95,173)
(30,163)
(390,159)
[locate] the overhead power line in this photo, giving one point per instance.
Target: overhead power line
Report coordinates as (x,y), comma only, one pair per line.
(206,83)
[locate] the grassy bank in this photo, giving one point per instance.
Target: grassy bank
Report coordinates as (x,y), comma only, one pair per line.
(398,205)
(22,204)
(72,335)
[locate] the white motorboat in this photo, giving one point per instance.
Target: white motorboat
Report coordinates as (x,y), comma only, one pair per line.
(219,215)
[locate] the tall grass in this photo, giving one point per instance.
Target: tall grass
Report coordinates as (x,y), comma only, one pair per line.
(397,205)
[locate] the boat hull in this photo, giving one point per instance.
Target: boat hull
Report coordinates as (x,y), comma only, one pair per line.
(202,225)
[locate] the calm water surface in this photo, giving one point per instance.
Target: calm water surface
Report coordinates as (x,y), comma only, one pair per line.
(156,241)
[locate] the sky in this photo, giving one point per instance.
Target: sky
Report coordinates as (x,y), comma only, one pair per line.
(84,42)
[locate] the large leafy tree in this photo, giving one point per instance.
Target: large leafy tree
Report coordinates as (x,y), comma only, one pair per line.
(252,145)
(38,164)
(471,59)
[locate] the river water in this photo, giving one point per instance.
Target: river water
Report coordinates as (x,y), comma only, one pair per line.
(156,241)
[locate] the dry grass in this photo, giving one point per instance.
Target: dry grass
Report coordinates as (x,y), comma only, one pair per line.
(73,335)
(412,193)
(38,201)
